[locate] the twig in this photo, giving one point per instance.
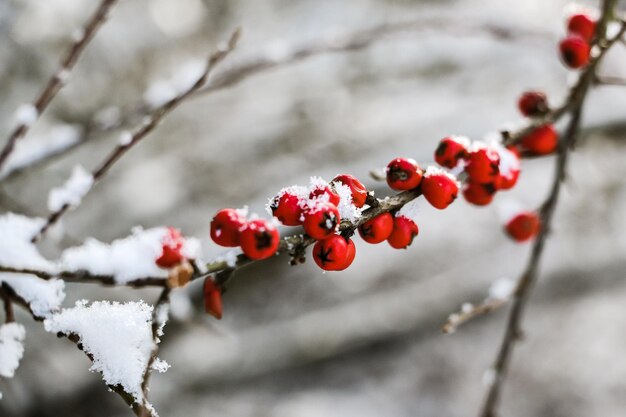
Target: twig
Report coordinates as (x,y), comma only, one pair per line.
(148,126)
(56,82)
(528,278)
(610,81)
(469,312)
(9,314)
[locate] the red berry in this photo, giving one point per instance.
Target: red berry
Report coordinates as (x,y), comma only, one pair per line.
(510,167)
(359,192)
(541,141)
(403,233)
(212,298)
(439,188)
(259,239)
(582,25)
(574,51)
(286,208)
(450,150)
(351,253)
(321,220)
(377,229)
(483,165)
(533,104)
(479,194)
(403,174)
(330,254)
(226,227)
(172,243)
(320,191)
(523,226)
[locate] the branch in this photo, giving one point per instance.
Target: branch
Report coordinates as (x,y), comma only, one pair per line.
(148,126)
(56,81)
(469,311)
(525,283)
(610,81)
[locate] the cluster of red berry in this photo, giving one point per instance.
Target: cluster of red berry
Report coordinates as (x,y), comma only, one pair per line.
(258,238)
(575,48)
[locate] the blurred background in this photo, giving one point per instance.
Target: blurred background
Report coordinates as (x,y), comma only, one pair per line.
(296,342)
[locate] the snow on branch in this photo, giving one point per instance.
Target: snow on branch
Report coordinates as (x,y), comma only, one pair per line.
(117,337)
(73,191)
(11,348)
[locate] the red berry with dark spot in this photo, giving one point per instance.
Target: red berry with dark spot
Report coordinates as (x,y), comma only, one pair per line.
(439,188)
(403,174)
(582,25)
(259,239)
(172,243)
(358,190)
(212,298)
(523,226)
(451,149)
(377,229)
(321,220)
(286,208)
(350,255)
(479,194)
(483,165)
(330,254)
(575,51)
(533,104)
(403,233)
(226,227)
(541,141)
(325,190)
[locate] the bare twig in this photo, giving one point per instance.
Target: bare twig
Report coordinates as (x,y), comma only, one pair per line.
(610,81)
(55,83)
(470,311)
(522,292)
(151,122)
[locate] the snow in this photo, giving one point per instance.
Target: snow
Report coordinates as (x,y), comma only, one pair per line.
(180,305)
(159,93)
(73,191)
(11,348)
(117,336)
(347,210)
(26,114)
(502,289)
(160,365)
(126,259)
(36,147)
(509,162)
(43,296)
(16,249)
(229,257)
(433,170)
(125,138)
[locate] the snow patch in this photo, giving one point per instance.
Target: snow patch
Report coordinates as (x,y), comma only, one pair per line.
(26,115)
(347,209)
(502,289)
(16,249)
(11,348)
(43,296)
(73,191)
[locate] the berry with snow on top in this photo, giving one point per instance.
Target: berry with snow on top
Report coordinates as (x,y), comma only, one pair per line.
(483,165)
(439,188)
(378,229)
(321,220)
(287,209)
(403,233)
(319,192)
(451,150)
(582,25)
(541,141)
(173,243)
(330,254)
(533,104)
(479,194)
(403,174)
(226,227)
(259,239)
(358,190)
(575,51)
(510,168)
(212,294)
(523,226)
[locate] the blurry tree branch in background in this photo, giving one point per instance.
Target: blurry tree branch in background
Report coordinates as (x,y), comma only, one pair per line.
(28,114)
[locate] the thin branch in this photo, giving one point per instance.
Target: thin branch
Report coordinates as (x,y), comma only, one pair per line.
(610,81)
(528,278)
(148,126)
(9,314)
(56,81)
(469,312)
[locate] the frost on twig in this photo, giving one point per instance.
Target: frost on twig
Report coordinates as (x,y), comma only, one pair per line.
(16,249)
(42,296)
(117,337)
(73,191)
